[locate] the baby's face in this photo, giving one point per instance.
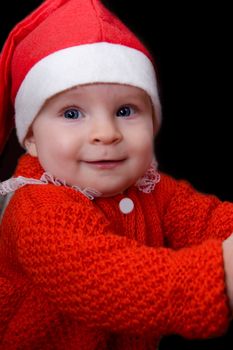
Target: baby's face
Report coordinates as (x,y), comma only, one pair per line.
(98,136)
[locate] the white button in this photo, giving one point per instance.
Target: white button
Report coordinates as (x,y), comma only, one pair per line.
(126,205)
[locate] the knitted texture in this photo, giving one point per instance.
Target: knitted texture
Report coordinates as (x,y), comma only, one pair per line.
(79,274)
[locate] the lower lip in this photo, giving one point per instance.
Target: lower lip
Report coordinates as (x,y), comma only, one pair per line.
(105,165)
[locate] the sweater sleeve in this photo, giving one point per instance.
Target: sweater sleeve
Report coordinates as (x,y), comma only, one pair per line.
(68,251)
(191,216)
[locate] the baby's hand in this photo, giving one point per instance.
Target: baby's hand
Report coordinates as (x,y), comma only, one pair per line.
(228,264)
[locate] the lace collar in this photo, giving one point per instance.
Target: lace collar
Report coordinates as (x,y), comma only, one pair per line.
(146,183)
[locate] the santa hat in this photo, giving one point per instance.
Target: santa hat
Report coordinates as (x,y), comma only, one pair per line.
(65,43)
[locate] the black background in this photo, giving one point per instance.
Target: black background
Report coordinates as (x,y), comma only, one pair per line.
(191,44)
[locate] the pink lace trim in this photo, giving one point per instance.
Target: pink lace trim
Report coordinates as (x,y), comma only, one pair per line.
(15,183)
(146,183)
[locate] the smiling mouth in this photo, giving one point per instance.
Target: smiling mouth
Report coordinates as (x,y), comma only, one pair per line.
(106,163)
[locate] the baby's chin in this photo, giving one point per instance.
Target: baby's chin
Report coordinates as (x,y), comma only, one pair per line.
(104,187)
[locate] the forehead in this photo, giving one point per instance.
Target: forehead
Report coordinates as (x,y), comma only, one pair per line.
(101,89)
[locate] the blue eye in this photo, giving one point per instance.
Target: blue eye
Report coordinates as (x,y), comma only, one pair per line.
(72,113)
(125,111)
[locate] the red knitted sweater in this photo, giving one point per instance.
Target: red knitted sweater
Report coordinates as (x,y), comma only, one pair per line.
(79,274)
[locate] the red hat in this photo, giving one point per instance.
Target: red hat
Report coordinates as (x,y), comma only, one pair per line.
(65,43)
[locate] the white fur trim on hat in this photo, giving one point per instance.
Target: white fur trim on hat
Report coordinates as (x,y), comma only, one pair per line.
(90,63)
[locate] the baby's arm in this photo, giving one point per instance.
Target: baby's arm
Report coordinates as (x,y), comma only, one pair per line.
(190,217)
(67,249)
(203,217)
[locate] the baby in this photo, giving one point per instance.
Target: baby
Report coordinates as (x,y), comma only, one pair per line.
(99,250)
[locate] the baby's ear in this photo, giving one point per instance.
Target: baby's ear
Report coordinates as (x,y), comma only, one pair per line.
(30,144)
